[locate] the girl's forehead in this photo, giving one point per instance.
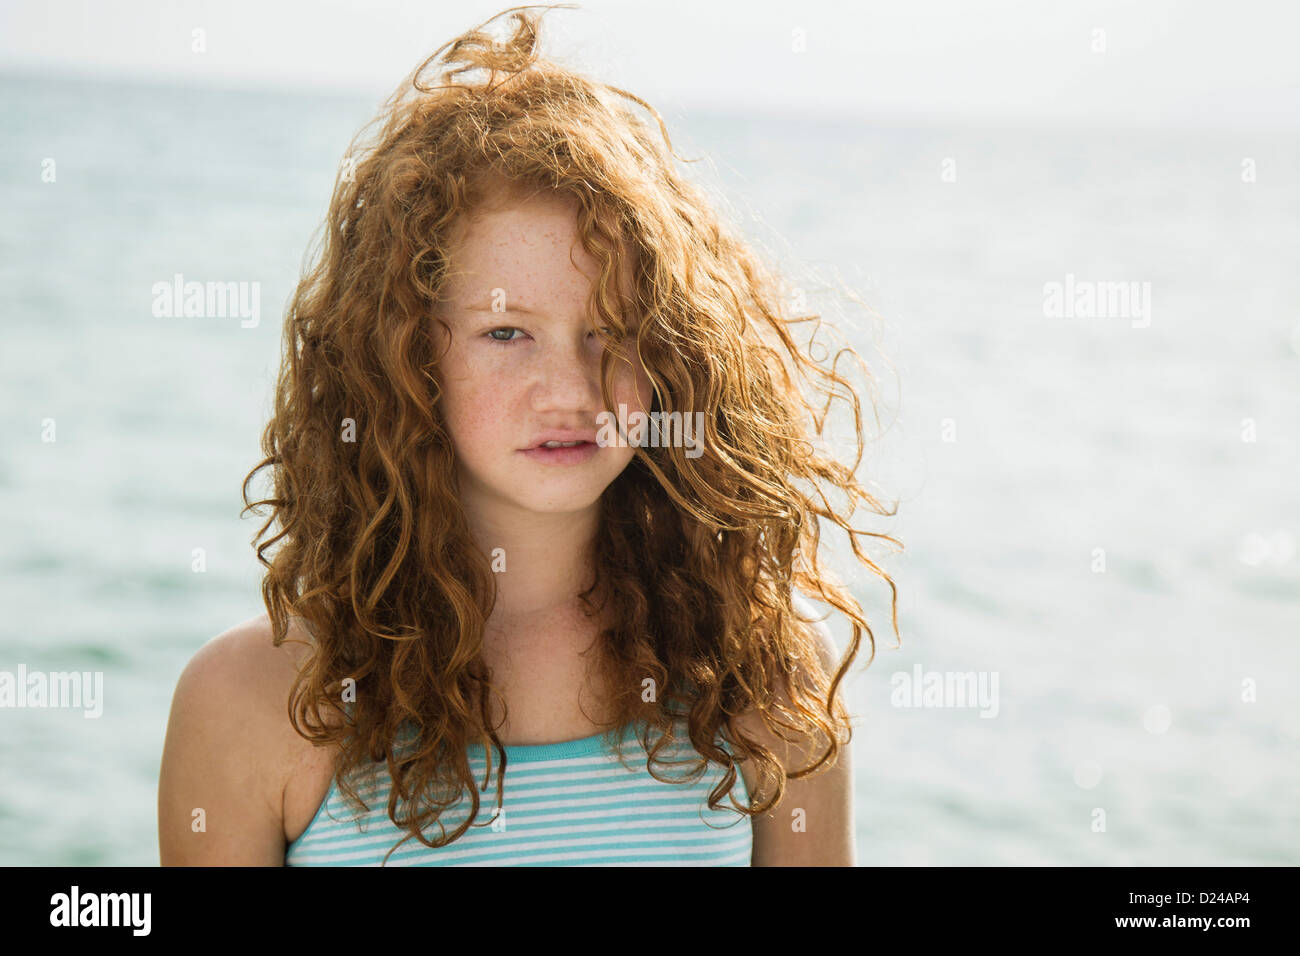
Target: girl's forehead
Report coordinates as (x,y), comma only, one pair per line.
(523,243)
(526,226)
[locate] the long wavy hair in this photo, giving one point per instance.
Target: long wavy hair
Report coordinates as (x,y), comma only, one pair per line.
(699,555)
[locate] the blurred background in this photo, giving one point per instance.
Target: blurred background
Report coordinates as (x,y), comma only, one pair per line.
(1100,507)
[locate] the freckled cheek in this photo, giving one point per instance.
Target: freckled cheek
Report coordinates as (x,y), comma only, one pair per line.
(634,388)
(476,409)
(487,416)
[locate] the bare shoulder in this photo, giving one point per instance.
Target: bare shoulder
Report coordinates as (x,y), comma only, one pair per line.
(813,825)
(245,652)
(223,772)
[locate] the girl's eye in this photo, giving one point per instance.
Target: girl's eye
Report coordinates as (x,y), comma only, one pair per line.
(492,333)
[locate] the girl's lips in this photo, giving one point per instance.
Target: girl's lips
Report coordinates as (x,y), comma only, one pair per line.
(563,456)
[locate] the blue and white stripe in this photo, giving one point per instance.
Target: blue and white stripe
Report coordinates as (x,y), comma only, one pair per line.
(566,804)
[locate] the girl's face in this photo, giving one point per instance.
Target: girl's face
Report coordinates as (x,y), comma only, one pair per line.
(523,360)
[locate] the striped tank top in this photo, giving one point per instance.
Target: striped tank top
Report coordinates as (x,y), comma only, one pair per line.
(571,803)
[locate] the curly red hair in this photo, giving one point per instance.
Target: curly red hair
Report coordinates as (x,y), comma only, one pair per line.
(700,555)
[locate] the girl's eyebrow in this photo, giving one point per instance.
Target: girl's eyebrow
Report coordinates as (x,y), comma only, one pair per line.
(508,308)
(523,309)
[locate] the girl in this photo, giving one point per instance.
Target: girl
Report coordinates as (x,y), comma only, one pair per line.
(539,462)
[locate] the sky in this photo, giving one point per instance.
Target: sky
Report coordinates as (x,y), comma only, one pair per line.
(1154,63)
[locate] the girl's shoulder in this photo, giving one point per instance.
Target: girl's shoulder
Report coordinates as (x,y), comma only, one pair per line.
(242,661)
(230,747)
